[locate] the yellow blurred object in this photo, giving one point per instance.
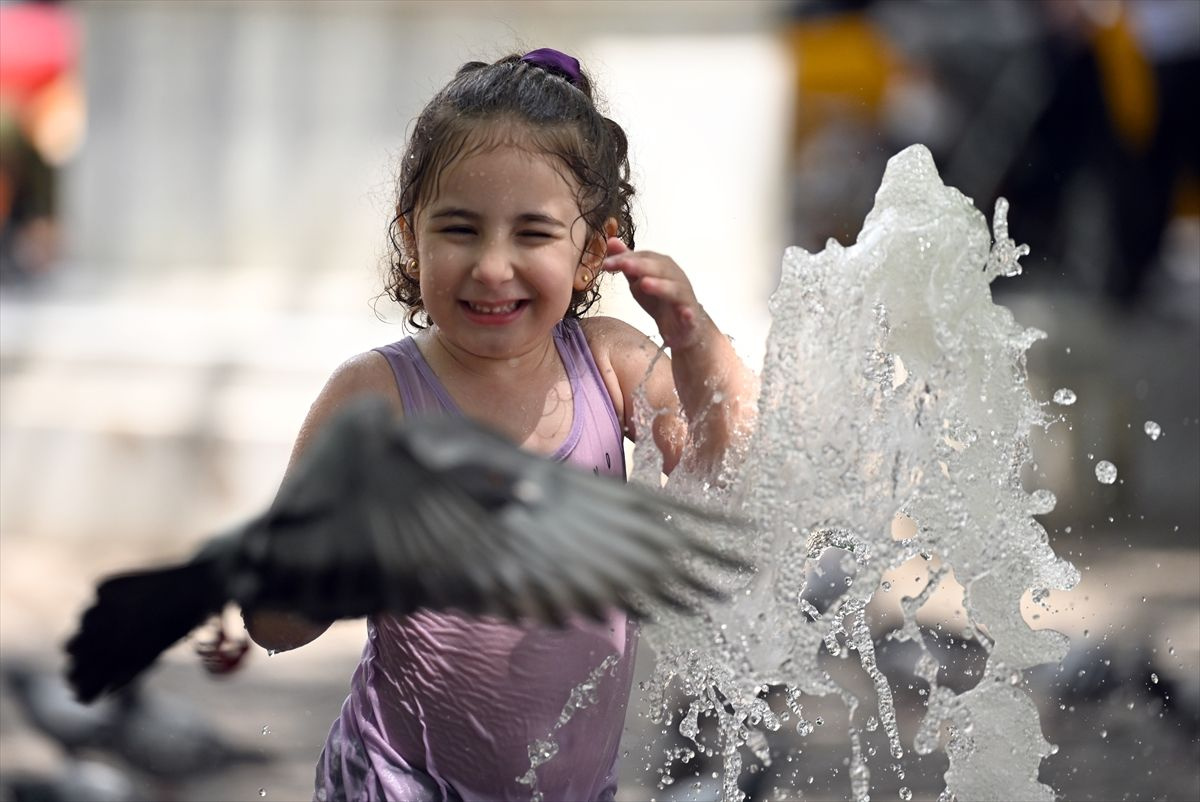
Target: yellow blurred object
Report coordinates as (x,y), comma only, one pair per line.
(1186,202)
(1128,81)
(843,66)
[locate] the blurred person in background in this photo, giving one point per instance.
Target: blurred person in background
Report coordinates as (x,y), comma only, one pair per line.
(514,196)
(41,126)
(1077,112)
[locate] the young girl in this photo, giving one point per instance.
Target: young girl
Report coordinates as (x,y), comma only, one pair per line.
(513,198)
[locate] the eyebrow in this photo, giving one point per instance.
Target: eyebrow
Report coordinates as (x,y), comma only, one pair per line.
(527,217)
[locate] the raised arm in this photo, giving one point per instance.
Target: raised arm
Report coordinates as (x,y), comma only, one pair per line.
(716,391)
(365,374)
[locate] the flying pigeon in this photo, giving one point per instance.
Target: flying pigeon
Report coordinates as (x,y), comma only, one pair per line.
(390,514)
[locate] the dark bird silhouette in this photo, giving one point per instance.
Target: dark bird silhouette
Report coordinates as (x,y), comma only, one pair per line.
(383,514)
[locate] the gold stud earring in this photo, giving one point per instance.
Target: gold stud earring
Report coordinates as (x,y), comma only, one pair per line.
(587,277)
(412,268)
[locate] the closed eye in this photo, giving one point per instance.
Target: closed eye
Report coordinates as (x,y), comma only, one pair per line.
(457,230)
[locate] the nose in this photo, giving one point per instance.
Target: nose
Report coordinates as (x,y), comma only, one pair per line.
(493,266)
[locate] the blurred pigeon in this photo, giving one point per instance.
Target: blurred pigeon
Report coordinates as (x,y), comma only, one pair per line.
(158,736)
(168,739)
(49,705)
(78,781)
(383,514)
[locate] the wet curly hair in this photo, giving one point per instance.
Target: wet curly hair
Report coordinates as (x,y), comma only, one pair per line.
(511,101)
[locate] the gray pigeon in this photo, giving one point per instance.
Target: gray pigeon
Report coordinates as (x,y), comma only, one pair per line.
(384,514)
(77,781)
(156,735)
(50,707)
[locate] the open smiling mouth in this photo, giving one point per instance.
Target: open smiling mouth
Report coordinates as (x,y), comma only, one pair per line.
(498,310)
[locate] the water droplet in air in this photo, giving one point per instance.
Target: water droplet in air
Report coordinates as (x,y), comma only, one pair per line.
(1042,502)
(1153,430)
(266,730)
(905,794)
(1064,396)
(1154,678)
(1106,472)
(262,791)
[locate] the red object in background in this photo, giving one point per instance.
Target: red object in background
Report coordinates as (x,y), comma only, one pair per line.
(38,43)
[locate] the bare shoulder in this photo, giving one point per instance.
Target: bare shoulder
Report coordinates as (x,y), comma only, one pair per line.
(617,341)
(364,374)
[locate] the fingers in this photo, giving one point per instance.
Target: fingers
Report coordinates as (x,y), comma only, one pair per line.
(644,267)
(661,288)
(615,246)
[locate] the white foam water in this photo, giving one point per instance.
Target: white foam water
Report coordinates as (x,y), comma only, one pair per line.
(893,425)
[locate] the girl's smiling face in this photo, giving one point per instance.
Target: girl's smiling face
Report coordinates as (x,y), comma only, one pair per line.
(501,246)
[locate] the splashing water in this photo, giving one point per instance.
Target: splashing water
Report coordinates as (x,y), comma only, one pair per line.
(582,696)
(894,421)
(1064,396)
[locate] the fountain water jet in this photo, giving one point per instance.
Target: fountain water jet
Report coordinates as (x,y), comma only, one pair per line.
(894,421)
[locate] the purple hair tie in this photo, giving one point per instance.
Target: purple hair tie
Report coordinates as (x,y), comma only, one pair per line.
(557,62)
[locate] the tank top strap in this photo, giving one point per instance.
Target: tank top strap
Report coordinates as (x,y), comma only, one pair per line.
(596,439)
(420,389)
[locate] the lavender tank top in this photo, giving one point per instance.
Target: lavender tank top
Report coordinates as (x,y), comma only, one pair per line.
(445,706)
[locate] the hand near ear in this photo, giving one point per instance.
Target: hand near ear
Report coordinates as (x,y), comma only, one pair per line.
(660,287)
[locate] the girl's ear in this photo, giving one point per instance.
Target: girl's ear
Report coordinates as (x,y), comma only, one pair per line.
(597,249)
(407,238)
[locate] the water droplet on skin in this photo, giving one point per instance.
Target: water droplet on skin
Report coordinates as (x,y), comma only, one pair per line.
(1106,472)
(1064,396)
(1153,430)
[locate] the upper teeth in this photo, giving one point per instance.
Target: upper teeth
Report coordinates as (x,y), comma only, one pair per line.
(491,309)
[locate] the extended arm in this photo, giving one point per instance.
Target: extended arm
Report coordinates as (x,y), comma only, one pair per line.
(364,374)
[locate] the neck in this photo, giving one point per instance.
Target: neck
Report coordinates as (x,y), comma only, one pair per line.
(509,367)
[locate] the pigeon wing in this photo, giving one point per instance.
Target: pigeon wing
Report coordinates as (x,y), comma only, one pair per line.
(443,513)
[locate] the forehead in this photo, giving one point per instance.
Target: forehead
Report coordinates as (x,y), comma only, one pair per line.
(501,161)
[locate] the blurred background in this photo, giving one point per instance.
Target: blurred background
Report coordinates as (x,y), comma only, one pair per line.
(193,206)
